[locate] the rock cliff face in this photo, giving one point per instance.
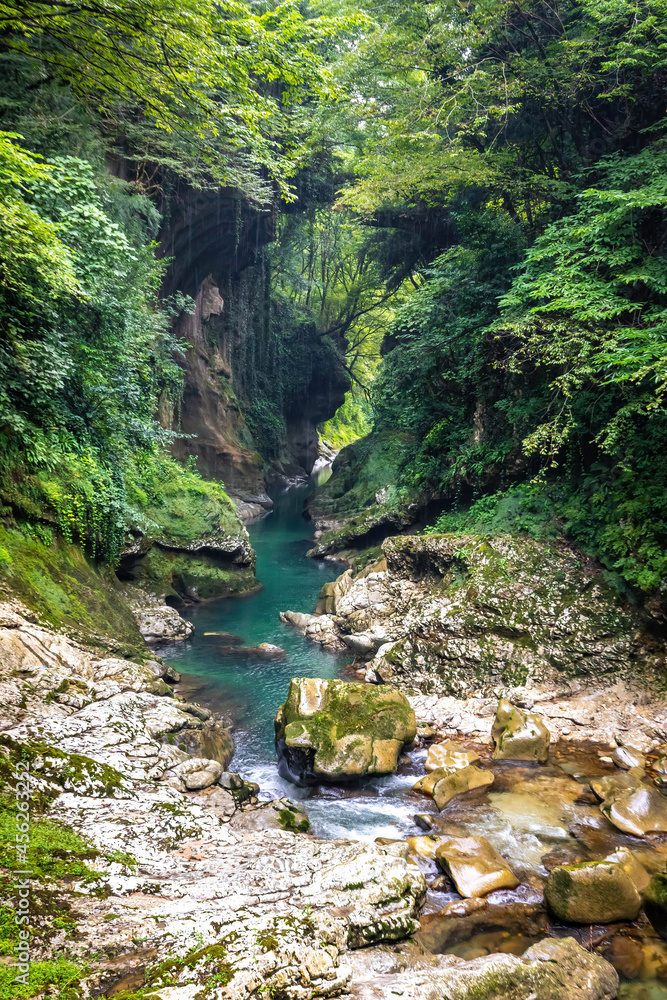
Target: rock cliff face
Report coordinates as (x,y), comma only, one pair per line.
(465,614)
(255,389)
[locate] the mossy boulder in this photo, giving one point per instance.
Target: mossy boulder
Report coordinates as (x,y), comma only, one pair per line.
(594,892)
(362,502)
(487,612)
(519,735)
(191,544)
(335,730)
(655,902)
(474,866)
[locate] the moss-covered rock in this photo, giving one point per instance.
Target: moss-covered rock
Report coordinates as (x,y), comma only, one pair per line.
(472,613)
(334,730)
(191,543)
(190,576)
(655,902)
(519,735)
(67,591)
(594,892)
(362,503)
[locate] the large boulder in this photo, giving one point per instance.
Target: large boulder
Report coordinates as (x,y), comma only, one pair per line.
(474,866)
(334,730)
(488,613)
(594,892)
(443,785)
(519,735)
(637,812)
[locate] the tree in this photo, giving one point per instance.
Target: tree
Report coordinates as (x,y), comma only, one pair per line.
(219,77)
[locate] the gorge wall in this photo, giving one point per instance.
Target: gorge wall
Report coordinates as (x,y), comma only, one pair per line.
(256,384)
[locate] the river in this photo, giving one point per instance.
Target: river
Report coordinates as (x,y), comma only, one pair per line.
(532,813)
(249,689)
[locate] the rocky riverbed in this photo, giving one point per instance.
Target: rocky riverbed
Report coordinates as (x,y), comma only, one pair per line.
(196,889)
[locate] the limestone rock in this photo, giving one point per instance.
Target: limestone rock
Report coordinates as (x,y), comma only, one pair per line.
(522,611)
(329,729)
(594,892)
(553,969)
(449,756)
(195,773)
(443,785)
(519,735)
(360,643)
(210,739)
(230,780)
(298,620)
(160,687)
(475,867)
(278,814)
(331,592)
(383,893)
(637,812)
(156,620)
(612,785)
(627,757)
(631,866)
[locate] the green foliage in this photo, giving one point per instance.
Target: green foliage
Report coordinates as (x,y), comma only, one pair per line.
(82,363)
(351,421)
(512,99)
(430,382)
(59,978)
(31,254)
(529,366)
(54,851)
(207,74)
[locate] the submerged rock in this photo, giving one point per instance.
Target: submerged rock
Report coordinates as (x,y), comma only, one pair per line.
(519,735)
(628,757)
(475,867)
(614,784)
(333,730)
(594,892)
(444,785)
(641,811)
(449,756)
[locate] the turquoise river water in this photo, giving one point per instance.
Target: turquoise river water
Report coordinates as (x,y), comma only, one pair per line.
(249,689)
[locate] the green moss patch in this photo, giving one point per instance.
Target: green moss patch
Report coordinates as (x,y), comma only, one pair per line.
(68,592)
